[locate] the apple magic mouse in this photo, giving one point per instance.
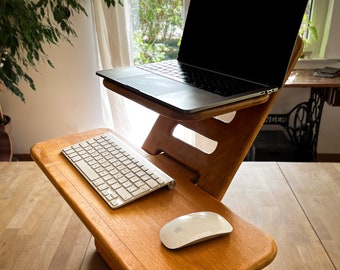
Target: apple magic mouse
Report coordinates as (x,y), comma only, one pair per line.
(193,228)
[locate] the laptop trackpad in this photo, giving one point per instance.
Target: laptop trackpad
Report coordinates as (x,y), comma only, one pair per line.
(178,95)
(154,85)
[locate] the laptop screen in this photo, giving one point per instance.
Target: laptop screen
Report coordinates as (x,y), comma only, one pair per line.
(246,39)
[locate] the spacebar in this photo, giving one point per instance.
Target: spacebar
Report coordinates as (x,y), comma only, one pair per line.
(87,170)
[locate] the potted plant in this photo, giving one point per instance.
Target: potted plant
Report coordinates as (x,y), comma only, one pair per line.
(5,140)
(25,26)
(4,119)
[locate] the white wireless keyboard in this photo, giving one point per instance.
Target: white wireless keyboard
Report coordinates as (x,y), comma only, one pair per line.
(119,174)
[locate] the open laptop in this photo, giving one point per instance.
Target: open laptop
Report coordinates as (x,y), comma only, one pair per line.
(245,42)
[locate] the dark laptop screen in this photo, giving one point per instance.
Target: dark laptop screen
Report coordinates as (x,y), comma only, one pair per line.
(248,39)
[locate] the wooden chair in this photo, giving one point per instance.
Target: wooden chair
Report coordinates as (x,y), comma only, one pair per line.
(128,238)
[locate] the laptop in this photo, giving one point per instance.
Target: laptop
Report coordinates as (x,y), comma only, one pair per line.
(247,43)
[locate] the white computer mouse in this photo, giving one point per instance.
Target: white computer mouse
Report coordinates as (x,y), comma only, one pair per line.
(193,228)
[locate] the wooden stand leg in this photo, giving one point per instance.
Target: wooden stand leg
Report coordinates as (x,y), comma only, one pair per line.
(233,139)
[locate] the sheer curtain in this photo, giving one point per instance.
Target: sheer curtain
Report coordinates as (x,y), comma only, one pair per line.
(114,39)
(114,34)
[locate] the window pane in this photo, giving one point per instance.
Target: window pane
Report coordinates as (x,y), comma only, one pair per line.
(157,29)
(320,16)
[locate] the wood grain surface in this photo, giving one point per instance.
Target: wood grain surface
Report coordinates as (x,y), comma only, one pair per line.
(297,203)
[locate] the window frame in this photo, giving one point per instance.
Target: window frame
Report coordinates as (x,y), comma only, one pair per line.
(321,15)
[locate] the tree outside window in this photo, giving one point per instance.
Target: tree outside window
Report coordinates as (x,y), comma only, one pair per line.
(157,29)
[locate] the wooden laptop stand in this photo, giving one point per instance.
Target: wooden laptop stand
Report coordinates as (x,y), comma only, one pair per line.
(128,238)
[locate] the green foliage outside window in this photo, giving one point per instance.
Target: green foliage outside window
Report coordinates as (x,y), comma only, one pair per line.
(157,28)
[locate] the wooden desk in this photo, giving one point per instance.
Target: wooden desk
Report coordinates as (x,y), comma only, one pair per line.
(297,203)
(302,122)
(304,78)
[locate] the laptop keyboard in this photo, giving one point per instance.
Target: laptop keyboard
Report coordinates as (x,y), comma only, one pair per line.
(117,173)
(200,78)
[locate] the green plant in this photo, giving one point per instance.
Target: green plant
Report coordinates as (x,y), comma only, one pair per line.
(25,26)
(307,31)
(307,28)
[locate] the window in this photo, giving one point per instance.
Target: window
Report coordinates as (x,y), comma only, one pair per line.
(158,26)
(319,14)
(157,29)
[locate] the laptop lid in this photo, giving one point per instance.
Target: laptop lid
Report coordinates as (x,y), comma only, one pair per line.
(251,39)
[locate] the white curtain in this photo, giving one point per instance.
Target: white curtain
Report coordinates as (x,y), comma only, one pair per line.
(112,36)
(114,33)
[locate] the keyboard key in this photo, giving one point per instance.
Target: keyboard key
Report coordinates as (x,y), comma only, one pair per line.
(124,193)
(86,169)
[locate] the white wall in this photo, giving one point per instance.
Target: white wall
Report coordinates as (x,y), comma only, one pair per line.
(67,99)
